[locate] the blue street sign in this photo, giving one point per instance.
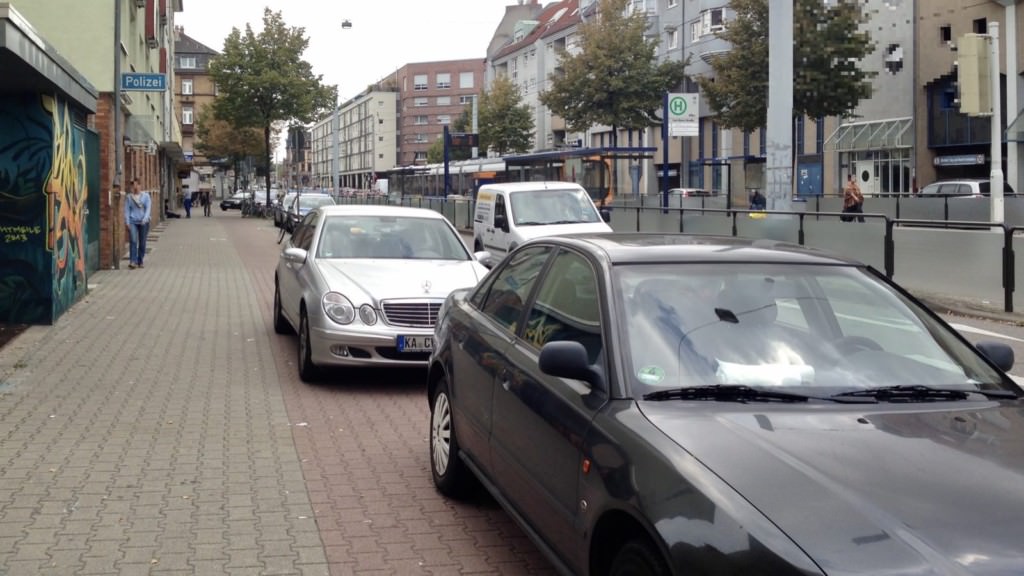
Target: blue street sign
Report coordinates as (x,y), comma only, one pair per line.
(142,82)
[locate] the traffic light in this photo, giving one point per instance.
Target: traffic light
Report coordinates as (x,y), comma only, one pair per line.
(974,71)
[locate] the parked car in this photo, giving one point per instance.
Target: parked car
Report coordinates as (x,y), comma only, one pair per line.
(690,192)
(362,285)
(234,202)
(975,188)
(511,213)
(301,204)
(664,404)
(281,209)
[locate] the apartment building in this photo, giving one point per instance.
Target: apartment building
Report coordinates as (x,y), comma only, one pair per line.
(150,144)
(366,145)
(298,158)
(194,90)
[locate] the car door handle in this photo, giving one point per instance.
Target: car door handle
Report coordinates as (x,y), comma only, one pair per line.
(490,229)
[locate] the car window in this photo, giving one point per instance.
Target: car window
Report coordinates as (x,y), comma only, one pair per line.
(552,206)
(822,329)
(375,236)
(499,206)
(965,190)
(303,236)
(567,306)
(510,289)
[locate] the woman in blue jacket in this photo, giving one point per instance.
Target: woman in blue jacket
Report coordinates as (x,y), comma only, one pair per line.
(137,211)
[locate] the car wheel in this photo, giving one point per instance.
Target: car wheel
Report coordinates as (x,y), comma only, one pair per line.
(308,371)
(638,558)
(451,476)
(281,325)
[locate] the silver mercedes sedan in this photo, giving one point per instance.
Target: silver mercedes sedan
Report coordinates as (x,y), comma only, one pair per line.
(362,285)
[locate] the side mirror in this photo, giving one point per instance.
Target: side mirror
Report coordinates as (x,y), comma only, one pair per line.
(998,353)
(606,214)
(501,222)
(294,255)
(568,359)
(486,258)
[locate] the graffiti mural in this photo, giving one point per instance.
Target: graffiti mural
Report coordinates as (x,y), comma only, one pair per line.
(66,193)
(42,199)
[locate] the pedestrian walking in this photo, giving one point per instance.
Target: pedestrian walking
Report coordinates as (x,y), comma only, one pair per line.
(188,205)
(137,213)
(853,201)
(205,199)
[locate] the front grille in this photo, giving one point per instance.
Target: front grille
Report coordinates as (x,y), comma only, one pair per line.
(411,313)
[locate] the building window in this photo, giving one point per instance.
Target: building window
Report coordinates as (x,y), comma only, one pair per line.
(186,87)
(673,39)
(421,121)
(444,100)
(444,80)
(946,33)
(672,3)
(444,119)
(419,82)
(710,22)
(980,26)
(186,115)
(819,135)
(465,80)
(420,157)
(420,138)
(419,102)
(187,62)
(695,31)
(800,136)
(465,100)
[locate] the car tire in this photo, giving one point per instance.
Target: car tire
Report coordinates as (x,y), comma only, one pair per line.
(308,371)
(451,476)
(638,557)
(281,325)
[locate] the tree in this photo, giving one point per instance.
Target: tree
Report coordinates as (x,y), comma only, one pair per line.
(263,80)
(613,80)
(219,139)
(827,81)
(506,123)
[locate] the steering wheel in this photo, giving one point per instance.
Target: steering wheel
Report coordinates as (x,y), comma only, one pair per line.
(849,345)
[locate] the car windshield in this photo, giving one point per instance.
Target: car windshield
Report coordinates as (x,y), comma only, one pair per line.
(559,206)
(365,236)
(307,202)
(811,329)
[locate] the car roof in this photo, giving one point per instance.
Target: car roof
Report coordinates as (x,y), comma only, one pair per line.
(521,186)
(652,248)
(379,210)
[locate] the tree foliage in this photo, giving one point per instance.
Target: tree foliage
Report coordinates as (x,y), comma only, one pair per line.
(614,79)
(263,80)
(216,138)
(505,122)
(827,79)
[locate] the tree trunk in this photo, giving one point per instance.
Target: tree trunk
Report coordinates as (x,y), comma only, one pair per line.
(266,159)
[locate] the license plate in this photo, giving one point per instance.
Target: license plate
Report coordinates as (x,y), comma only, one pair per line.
(415,343)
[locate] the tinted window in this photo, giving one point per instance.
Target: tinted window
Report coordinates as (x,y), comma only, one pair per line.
(567,306)
(303,236)
(508,292)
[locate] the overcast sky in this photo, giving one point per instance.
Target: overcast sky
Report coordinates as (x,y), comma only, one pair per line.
(385,34)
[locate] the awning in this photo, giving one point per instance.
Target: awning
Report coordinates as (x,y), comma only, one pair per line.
(1015,131)
(872,135)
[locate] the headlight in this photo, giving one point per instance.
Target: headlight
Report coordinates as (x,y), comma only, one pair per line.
(367,314)
(338,308)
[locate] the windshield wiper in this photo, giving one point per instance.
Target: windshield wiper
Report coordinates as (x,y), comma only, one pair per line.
(725,393)
(530,223)
(916,393)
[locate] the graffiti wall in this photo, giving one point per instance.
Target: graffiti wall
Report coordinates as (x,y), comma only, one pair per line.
(43,190)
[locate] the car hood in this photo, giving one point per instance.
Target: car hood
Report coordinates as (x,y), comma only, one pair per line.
(924,489)
(530,232)
(382,279)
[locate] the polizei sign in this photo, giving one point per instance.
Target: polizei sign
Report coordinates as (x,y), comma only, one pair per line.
(144,82)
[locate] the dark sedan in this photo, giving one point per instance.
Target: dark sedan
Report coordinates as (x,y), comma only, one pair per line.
(234,202)
(664,404)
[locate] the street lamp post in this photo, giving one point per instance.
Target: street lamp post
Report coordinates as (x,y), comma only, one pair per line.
(335,128)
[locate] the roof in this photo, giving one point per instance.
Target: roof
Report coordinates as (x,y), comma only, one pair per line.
(525,186)
(555,17)
(652,248)
(185,44)
(380,210)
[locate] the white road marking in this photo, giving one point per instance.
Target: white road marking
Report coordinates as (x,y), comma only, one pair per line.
(973,330)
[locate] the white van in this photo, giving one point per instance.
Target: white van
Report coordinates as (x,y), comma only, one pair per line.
(509,214)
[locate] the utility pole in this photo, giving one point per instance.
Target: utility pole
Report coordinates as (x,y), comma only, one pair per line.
(115,195)
(779,169)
